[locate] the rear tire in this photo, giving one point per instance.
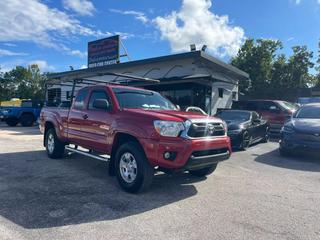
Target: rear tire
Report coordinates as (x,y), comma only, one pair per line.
(204,171)
(133,171)
(12,122)
(54,147)
(27,120)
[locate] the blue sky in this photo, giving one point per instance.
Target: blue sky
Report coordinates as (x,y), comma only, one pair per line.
(54,33)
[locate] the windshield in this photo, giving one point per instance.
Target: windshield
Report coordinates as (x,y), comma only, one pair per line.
(234,116)
(312,112)
(288,106)
(143,99)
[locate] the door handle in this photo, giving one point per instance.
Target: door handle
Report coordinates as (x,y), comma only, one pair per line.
(85,116)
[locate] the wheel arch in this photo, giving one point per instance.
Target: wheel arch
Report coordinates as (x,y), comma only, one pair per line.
(119,139)
(26,113)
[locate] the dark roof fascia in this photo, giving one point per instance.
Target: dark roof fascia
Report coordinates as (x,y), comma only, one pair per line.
(126,64)
(199,55)
(224,65)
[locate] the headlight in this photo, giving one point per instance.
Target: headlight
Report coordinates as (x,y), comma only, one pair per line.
(235,131)
(5,111)
(288,129)
(168,128)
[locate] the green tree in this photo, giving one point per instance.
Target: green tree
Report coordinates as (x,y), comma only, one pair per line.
(24,83)
(256,58)
(299,65)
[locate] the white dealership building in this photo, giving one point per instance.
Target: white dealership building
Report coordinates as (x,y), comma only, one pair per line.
(187,79)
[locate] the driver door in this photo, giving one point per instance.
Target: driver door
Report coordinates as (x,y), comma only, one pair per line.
(98,122)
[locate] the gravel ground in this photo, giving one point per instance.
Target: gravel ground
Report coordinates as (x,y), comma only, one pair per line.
(254,195)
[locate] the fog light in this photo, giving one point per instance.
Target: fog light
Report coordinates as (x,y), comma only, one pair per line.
(166,155)
(169,155)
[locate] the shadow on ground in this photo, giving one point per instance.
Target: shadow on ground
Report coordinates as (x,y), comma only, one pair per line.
(37,192)
(303,162)
(18,130)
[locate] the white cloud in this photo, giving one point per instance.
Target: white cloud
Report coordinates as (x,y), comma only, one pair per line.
(10,44)
(38,23)
(298,2)
(8,53)
(137,15)
(195,23)
(78,53)
(43,65)
(82,7)
(290,39)
(9,65)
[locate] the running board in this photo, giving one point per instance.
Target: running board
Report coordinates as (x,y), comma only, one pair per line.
(87,154)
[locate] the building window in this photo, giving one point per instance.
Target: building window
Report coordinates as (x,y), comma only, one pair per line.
(220,92)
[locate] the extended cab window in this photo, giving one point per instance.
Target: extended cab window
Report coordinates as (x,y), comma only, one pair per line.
(96,95)
(81,97)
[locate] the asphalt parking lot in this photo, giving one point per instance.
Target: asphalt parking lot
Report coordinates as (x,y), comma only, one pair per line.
(255,195)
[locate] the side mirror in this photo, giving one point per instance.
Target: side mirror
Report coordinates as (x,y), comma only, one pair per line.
(178,107)
(102,104)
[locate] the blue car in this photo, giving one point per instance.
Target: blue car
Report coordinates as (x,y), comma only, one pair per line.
(302,132)
(27,114)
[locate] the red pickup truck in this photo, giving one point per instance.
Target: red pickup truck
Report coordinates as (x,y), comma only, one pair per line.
(139,130)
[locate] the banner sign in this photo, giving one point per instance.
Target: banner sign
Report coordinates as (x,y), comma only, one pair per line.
(103,51)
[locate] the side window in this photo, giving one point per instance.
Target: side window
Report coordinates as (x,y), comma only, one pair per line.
(96,95)
(81,96)
(268,106)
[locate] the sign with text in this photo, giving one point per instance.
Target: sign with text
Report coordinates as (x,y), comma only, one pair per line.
(103,51)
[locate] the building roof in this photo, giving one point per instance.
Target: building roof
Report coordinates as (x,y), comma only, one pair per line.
(197,55)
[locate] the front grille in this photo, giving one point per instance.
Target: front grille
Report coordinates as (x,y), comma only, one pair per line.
(209,152)
(206,129)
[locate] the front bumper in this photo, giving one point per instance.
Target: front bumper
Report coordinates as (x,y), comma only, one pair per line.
(236,140)
(190,153)
(294,142)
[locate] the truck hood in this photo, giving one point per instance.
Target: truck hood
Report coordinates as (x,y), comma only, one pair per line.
(171,115)
(306,125)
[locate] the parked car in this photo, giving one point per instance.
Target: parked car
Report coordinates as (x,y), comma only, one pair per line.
(245,127)
(275,112)
(302,132)
(140,130)
(26,114)
(306,100)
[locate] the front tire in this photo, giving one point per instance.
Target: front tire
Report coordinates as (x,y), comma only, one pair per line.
(245,142)
(133,171)
(266,136)
(54,147)
(204,171)
(12,122)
